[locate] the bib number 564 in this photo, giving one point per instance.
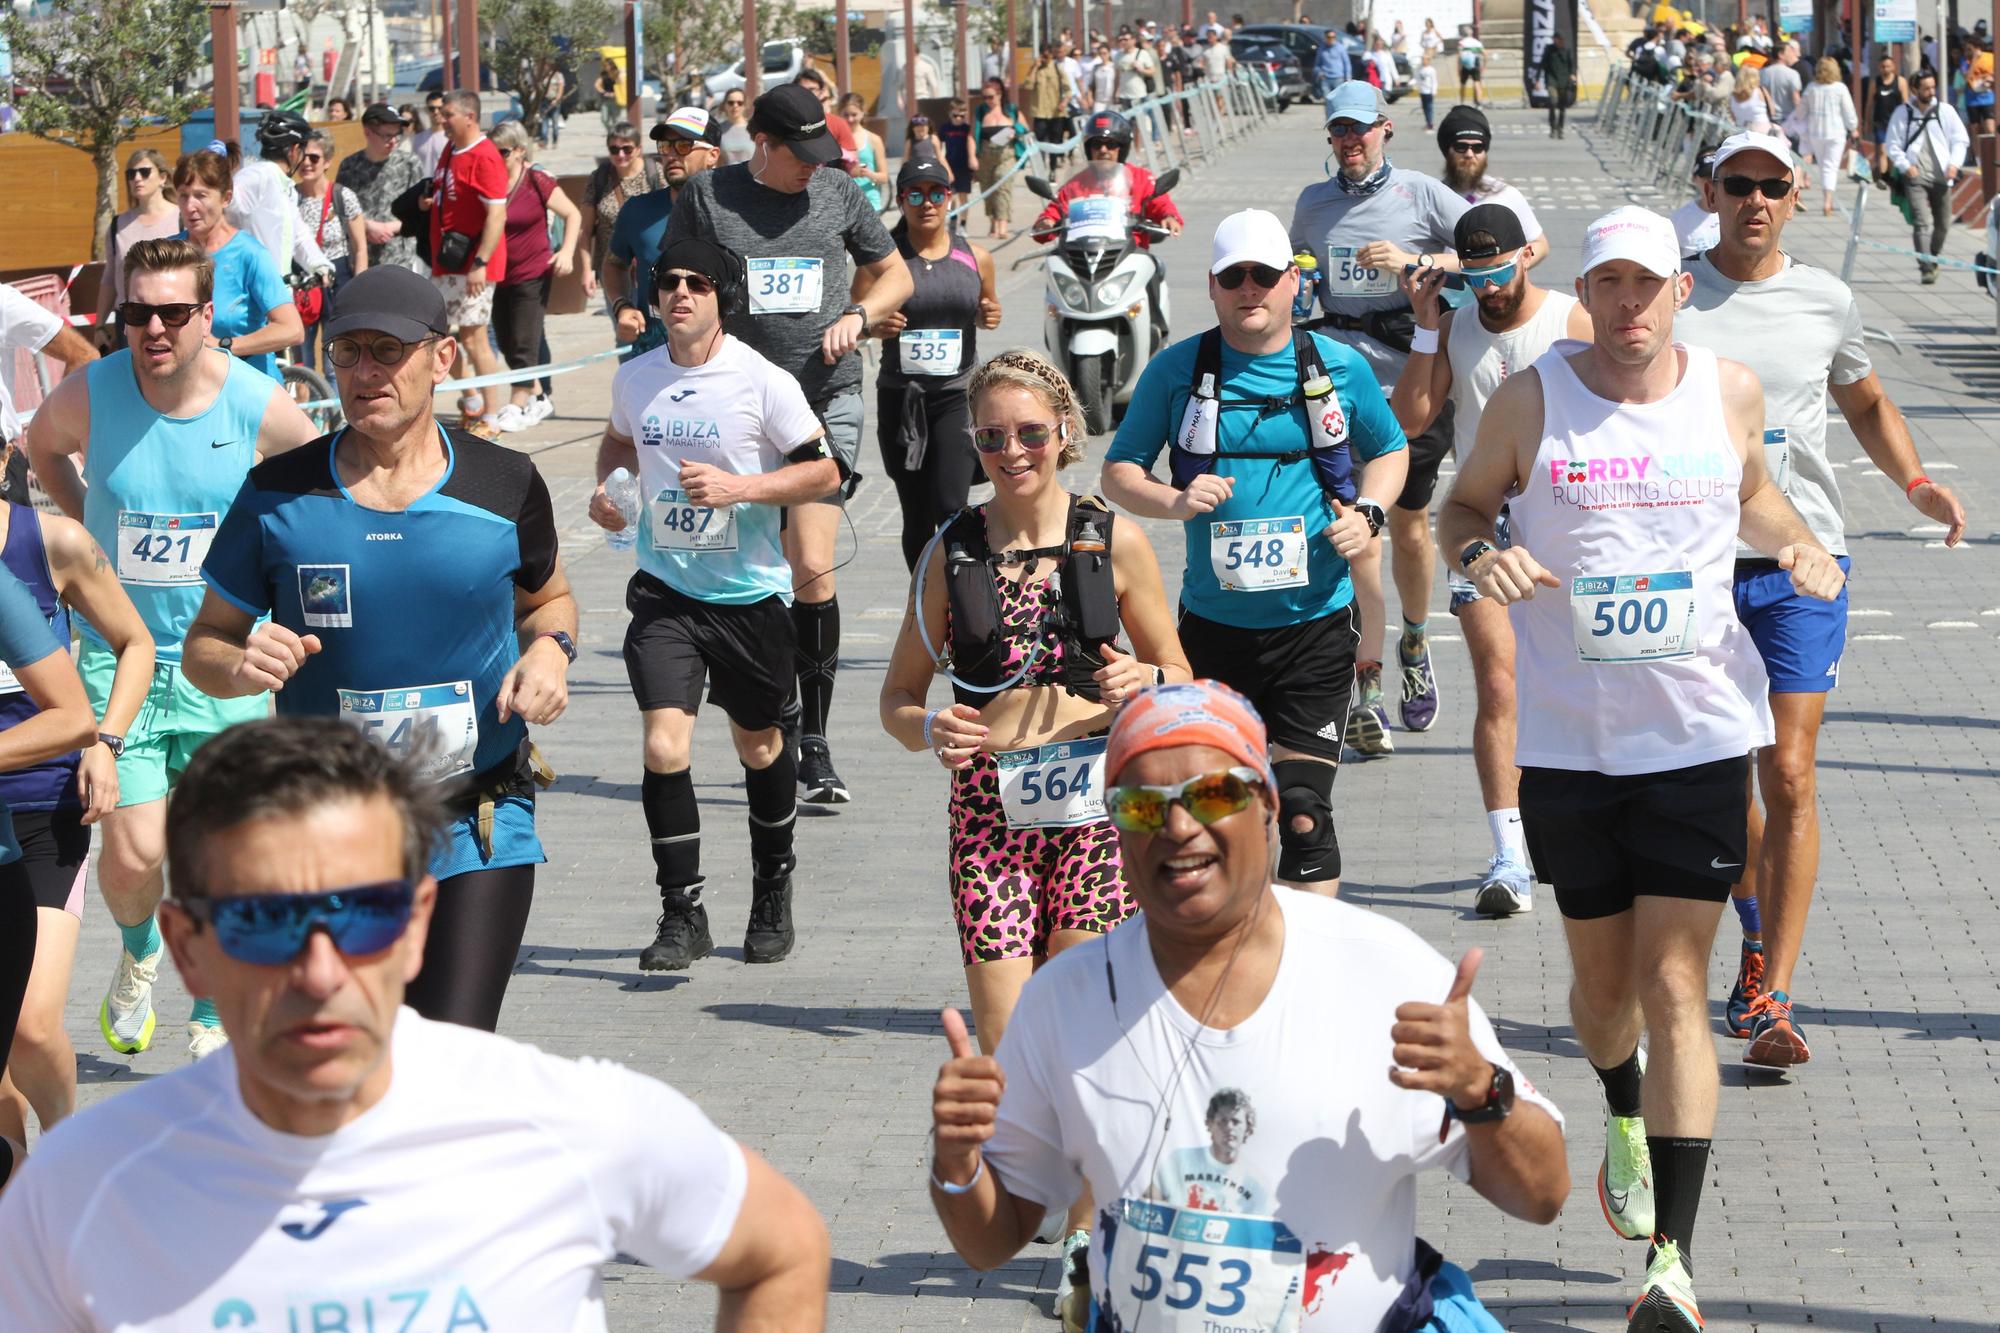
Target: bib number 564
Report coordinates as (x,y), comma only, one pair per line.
(1056,785)
(1184,1289)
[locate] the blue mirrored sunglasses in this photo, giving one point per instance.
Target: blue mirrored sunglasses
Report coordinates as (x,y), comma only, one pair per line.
(1477,278)
(271,929)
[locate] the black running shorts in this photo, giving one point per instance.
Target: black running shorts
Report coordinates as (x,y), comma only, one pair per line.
(743,651)
(1603,841)
(55,853)
(1300,677)
(1427,454)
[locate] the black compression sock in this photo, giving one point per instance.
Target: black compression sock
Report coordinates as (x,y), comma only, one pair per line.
(817,658)
(674,821)
(1680,1166)
(774,803)
(1622,1086)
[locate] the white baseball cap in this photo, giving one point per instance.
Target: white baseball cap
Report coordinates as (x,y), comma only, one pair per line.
(1251,237)
(1775,145)
(1633,233)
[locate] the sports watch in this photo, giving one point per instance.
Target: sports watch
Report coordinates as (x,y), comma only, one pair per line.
(857,309)
(1474,553)
(115,744)
(1371,511)
(563,641)
(1498,1105)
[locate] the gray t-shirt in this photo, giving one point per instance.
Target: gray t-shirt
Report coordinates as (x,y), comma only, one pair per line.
(1411,210)
(1782,82)
(1821,343)
(808,236)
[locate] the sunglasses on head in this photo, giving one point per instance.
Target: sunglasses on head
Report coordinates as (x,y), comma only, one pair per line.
(1207,797)
(700,286)
(1771,187)
(345,353)
(1034,436)
(272,929)
(173,314)
(138,173)
(918,198)
(1262,274)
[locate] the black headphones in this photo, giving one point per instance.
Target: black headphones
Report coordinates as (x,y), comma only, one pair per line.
(732,294)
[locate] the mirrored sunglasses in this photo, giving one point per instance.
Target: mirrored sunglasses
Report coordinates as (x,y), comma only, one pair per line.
(918,198)
(1207,797)
(1477,278)
(272,929)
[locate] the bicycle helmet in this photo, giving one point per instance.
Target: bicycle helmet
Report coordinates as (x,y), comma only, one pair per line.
(281,130)
(1108,127)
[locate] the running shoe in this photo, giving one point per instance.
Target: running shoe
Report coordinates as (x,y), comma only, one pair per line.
(1508,889)
(1368,725)
(1420,690)
(540,409)
(1749,985)
(1072,1303)
(205,1039)
(769,936)
(126,1017)
(1775,1040)
(680,938)
(1625,1177)
(818,783)
(511,418)
(1666,1301)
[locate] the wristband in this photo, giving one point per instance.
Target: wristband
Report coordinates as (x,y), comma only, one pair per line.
(929,718)
(978,1170)
(1919,480)
(1423,341)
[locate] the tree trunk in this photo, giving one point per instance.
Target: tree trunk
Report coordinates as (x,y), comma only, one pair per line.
(105,155)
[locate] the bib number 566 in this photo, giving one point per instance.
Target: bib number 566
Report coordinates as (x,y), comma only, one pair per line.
(1184,1289)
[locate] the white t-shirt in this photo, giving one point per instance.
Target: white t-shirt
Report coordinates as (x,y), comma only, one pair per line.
(1697,228)
(1500,192)
(482,1192)
(1427,81)
(1215,62)
(738,412)
(1299,1095)
(28,327)
(265,203)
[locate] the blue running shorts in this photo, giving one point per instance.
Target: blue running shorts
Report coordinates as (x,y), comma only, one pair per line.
(1801,638)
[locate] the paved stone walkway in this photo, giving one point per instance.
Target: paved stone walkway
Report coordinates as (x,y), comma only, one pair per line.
(1857,1195)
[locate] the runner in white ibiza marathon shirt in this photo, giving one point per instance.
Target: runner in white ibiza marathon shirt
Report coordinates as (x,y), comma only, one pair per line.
(345,1163)
(1253,1128)
(1634,463)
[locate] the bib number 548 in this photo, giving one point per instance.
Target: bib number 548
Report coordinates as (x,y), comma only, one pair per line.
(1184,1288)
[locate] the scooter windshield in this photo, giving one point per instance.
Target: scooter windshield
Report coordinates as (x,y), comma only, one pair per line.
(1103,212)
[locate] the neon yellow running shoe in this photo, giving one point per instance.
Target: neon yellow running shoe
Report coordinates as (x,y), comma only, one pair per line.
(1666,1302)
(126,1015)
(1625,1177)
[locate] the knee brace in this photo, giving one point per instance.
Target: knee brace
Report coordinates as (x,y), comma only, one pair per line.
(1305,788)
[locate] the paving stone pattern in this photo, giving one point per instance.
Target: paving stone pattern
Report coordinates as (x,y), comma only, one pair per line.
(1856,1195)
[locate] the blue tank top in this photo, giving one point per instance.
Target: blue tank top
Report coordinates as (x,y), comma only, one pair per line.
(51,785)
(159,486)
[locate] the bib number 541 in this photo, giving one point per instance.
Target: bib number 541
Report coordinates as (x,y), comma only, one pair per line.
(1183,1290)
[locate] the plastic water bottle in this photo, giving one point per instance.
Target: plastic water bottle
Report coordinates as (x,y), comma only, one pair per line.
(1307,300)
(623,488)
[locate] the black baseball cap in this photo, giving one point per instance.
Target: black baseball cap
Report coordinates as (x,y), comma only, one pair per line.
(922,169)
(1496,225)
(794,117)
(381,113)
(388,298)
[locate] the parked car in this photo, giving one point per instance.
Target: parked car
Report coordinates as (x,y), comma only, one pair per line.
(783,59)
(1273,64)
(1304,40)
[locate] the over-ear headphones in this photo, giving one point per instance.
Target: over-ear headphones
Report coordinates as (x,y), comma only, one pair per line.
(732,293)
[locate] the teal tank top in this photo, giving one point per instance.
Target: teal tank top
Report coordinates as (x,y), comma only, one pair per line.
(158,487)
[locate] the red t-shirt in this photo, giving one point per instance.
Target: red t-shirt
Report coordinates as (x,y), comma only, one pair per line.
(468,179)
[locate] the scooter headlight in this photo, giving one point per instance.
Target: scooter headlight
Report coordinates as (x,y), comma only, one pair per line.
(1112,289)
(1070,289)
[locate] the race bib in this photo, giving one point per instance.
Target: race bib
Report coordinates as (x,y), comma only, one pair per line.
(435,726)
(1778,455)
(1099,218)
(1053,786)
(681,525)
(163,550)
(1185,1270)
(1633,617)
(931,351)
(8,684)
(1347,277)
(1258,554)
(786,286)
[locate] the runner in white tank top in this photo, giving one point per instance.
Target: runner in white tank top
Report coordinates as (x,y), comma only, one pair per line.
(1635,463)
(1461,356)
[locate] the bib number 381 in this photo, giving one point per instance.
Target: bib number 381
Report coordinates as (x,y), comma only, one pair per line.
(1053,786)
(785,286)
(1624,618)
(1258,554)
(1184,1270)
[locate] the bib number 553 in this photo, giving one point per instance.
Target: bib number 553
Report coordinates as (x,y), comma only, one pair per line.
(1183,1290)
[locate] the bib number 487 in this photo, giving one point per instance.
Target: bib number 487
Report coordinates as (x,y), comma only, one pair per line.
(1184,1288)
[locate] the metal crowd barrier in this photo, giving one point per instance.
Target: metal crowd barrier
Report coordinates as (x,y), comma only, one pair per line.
(1660,136)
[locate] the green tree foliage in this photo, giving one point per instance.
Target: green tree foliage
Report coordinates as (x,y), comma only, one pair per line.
(96,74)
(707,32)
(528,41)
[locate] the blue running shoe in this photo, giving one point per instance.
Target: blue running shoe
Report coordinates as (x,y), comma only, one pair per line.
(1508,889)
(1749,985)
(1420,691)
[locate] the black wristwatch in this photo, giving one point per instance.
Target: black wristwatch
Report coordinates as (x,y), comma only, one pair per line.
(478,261)
(563,641)
(1499,1102)
(1371,511)
(1473,553)
(115,744)
(857,309)
(225,343)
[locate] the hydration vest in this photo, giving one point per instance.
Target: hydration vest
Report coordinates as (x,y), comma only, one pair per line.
(1193,450)
(1085,616)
